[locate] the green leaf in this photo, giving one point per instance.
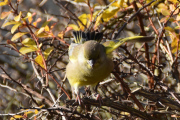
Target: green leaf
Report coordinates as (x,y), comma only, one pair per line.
(47,52)
(18,35)
(169,29)
(13,29)
(25,50)
(29,42)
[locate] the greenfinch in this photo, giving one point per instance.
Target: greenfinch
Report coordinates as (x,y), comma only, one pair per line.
(90,62)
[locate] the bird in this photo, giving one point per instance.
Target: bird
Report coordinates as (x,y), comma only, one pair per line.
(90,61)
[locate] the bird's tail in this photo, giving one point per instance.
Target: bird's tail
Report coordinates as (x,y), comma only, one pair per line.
(81,37)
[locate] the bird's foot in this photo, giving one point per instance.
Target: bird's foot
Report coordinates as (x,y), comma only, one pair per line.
(99,98)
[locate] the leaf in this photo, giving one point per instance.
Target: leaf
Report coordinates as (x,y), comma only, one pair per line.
(165,12)
(177,27)
(118,3)
(17,18)
(47,52)
(13,29)
(28,112)
(174,38)
(46,28)
(4,3)
(41,35)
(16,117)
(29,42)
(74,27)
(84,18)
(28,15)
(36,111)
(17,35)
(109,13)
(42,28)
(5,14)
(9,23)
(25,50)
(37,21)
(79,1)
(174,1)
(178,17)
(169,29)
(61,34)
(39,60)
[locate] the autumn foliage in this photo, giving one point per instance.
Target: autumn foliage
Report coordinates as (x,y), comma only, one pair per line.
(34,42)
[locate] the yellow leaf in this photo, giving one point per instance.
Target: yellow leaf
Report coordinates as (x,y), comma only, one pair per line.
(178,17)
(28,15)
(174,38)
(43,35)
(38,20)
(16,117)
(177,27)
(41,106)
(118,3)
(61,34)
(28,112)
(4,3)
(109,13)
(30,19)
(98,20)
(46,28)
(18,35)
(39,31)
(9,23)
(74,27)
(165,12)
(174,1)
(25,50)
(17,18)
(47,52)
(36,111)
(13,29)
(39,60)
(169,29)
(42,28)
(29,42)
(5,14)
(79,1)
(84,18)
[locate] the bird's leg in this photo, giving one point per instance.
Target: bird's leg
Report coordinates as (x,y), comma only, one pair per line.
(98,97)
(78,99)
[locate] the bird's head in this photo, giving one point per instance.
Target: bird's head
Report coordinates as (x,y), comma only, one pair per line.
(94,53)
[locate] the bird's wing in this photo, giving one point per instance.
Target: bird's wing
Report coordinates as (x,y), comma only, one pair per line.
(114,44)
(73,52)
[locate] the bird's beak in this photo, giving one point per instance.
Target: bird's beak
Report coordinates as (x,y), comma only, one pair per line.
(91,63)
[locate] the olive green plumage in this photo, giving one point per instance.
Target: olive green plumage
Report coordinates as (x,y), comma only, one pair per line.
(90,61)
